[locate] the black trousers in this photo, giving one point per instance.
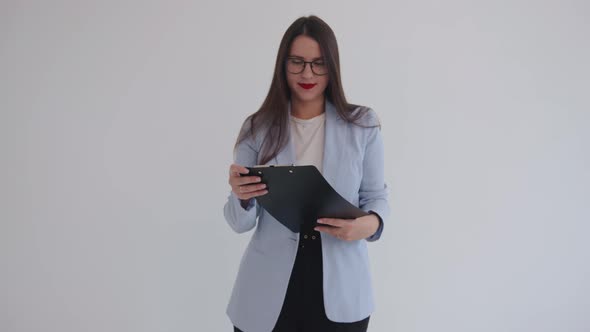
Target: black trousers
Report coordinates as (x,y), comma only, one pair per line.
(303,308)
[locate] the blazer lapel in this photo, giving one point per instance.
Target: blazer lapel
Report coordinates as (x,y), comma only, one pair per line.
(331,148)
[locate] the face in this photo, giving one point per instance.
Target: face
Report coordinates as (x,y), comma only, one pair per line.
(304,48)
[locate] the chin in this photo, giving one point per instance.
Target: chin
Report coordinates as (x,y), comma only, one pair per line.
(308,97)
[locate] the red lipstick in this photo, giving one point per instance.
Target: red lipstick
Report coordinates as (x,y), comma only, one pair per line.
(307,86)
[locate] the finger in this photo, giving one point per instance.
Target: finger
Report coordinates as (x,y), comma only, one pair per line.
(244,180)
(333,222)
(335,232)
(238,169)
(251,188)
(253,194)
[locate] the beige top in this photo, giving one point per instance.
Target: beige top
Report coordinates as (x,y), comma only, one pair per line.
(308,140)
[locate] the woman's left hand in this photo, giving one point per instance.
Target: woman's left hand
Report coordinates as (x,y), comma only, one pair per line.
(350,229)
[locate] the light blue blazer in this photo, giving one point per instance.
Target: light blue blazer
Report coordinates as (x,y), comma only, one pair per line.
(353,164)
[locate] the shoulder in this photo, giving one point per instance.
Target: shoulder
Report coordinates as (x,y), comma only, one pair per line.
(252,131)
(367,127)
(365,116)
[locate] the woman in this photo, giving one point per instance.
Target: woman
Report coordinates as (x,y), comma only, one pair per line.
(318,279)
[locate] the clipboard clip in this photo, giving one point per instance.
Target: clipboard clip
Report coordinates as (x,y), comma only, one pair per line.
(264,166)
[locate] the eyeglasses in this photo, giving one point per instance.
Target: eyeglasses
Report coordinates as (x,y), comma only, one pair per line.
(297,66)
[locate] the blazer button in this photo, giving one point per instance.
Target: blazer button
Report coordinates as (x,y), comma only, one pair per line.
(313,237)
(305,236)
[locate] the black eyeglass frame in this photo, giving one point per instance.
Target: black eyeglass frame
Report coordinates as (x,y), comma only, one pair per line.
(304,65)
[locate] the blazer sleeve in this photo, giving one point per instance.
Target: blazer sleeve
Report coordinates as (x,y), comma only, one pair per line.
(373,192)
(242,219)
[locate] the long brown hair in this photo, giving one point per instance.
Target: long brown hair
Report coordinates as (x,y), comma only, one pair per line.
(273,114)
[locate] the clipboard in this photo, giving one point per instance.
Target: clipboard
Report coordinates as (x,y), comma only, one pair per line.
(300,195)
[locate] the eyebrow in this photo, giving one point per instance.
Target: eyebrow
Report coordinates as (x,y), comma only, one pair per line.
(300,57)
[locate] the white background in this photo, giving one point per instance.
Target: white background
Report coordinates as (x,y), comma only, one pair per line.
(116,132)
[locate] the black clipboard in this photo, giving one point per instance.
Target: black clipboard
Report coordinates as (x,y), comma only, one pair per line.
(300,195)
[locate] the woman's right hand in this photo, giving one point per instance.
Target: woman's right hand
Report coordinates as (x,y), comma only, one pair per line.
(245,187)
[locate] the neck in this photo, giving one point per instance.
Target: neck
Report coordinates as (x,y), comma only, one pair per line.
(307,109)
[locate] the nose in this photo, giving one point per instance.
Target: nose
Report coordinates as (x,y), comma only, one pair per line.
(307,73)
